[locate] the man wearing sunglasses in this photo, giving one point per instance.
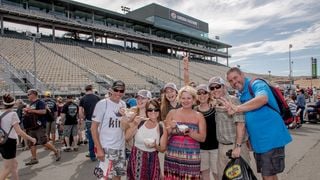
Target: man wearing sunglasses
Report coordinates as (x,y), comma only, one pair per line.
(108,136)
(231,133)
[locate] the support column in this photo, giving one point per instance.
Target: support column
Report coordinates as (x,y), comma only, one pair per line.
(1,24)
(227,57)
(37,28)
(92,17)
(171,51)
(53,33)
(125,44)
(150,48)
(93,39)
(106,40)
(150,31)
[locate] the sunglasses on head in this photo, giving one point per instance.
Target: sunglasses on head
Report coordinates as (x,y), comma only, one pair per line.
(153,110)
(118,90)
(218,86)
(202,92)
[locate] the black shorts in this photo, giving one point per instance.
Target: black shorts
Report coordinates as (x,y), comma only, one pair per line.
(8,150)
(39,134)
(271,162)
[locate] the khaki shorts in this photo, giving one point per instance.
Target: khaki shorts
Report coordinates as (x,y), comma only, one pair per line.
(209,160)
(39,134)
(50,127)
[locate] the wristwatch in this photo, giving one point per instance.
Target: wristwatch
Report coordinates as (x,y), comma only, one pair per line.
(238,145)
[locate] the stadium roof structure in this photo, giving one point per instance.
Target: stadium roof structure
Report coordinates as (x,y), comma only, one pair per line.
(154,27)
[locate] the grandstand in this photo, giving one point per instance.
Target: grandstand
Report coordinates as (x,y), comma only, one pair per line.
(152,38)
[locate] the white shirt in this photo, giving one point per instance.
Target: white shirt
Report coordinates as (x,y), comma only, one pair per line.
(143,133)
(9,120)
(110,133)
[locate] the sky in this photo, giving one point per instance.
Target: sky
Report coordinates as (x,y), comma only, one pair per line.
(259,31)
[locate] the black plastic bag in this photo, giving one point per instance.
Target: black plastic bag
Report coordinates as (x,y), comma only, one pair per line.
(238,169)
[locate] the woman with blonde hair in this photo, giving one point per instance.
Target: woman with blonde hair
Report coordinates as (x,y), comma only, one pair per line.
(186,128)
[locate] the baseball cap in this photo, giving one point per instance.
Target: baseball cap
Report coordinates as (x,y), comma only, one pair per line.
(216,80)
(118,84)
(170,85)
(47,94)
(144,93)
(202,87)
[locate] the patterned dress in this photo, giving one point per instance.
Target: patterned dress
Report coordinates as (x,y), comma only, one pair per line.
(143,165)
(182,158)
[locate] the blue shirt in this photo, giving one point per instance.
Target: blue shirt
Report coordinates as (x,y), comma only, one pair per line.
(264,125)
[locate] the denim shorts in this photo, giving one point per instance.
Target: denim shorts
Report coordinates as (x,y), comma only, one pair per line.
(271,162)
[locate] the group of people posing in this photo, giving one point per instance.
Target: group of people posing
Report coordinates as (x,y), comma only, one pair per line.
(191,128)
(194,127)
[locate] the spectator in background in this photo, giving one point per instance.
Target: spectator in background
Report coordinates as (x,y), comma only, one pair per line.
(10,124)
(51,116)
(86,107)
(301,103)
(37,110)
(20,105)
(131,102)
(69,118)
(59,104)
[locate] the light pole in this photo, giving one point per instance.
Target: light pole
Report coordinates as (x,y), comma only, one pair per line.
(269,75)
(34,36)
(125,9)
(290,65)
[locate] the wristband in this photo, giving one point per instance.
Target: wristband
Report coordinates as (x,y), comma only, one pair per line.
(238,145)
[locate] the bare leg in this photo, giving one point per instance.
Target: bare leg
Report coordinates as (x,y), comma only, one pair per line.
(9,166)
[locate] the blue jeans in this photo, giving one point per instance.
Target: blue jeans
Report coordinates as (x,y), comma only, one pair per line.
(90,140)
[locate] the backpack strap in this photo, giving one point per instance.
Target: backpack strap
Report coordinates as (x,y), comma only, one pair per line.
(2,116)
(253,95)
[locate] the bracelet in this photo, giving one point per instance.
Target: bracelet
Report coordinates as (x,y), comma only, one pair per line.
(238,145)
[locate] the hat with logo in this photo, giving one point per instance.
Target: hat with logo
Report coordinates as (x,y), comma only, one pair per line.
(202,87)
(216,80)
(170,85)
(118,85)
(144,93)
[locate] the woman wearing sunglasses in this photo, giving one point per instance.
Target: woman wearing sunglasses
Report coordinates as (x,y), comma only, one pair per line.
(149,139)
(208,148)
(187,128)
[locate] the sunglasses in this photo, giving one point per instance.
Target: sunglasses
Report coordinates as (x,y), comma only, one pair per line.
(29,94)
(118,90)
(202,92)
(153,110)
(215,87)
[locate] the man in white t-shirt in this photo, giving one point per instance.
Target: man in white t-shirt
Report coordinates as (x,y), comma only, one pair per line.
(107,135)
